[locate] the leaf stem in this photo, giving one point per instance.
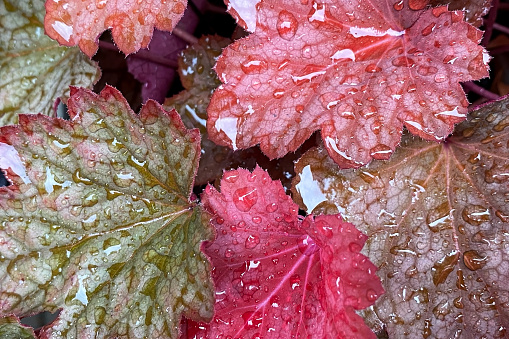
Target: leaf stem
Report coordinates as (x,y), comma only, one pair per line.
(481,91)
(489,23)
(189,38)
(142,54)
(501,28)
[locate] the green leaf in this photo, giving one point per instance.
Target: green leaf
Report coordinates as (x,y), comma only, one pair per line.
(437,217)
(101,224)
(10,328)
(35,69)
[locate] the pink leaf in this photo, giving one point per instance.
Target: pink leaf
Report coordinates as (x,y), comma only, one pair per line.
(278,275)
(357,70)
(132,23)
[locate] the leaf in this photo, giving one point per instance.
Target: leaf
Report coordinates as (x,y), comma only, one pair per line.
(35,69)
(437,218)
(156,77)
(101,224)
(278,275)
(132,23)
(357,70)
(10,328)
(474,9)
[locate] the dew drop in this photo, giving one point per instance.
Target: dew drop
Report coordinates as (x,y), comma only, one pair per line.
(428,29)
(398,5)
(440,77)
(475,214)
(244,198)
(403,61)
(253,65)
(252,241)
(257,220)
(417,5)
(373,68)
(228,253)
(371,295)
(232,176)
(278,93)
(286,25)
(271,207)
(299,108)
(307,245)
(473,260)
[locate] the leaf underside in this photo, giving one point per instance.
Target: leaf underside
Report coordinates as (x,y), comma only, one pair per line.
(98,222)
(437,217)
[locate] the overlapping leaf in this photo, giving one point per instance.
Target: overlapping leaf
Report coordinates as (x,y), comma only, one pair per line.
(132,22)
(35,70)
(474,10)
(100,224)
(438,220)
(278,275)
(10,328)
(357,70)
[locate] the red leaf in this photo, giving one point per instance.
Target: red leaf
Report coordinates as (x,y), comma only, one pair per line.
(278,275)
(357,70)
(132,23)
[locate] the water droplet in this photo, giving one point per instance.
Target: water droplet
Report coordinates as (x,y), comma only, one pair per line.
(295,281)
(306,52)
(252,241)
(403,61)
(231,176)
(307,245)
(278,93)
(100,4)
(440,77)
(299,108)
(444,267)
(244,198)
(252,320)
(286,25)
(257,220)
(228,253)
(373,68)
(371,295)
(271,207)
(253,65)
(473,260)
(475,214)
(380,152)
(398,5)
(417,5)
(428,29)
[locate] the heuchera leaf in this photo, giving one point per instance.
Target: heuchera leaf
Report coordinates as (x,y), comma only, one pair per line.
(474,9)
(437,217)
(10,328)
(278,275)
(357,70)
(100,225)
(35,69)
(132,23)
(157,78)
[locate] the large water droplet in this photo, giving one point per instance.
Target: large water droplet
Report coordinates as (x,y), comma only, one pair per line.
(307,245)
(475,214)
(253,65)
(244,198)
(473,260)
(444,267)
(286,25)
(252,241)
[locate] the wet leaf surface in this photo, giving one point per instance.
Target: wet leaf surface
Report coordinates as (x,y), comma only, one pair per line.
(474,10)
(358,71)
(278,275)
(10,328)
(80,23)
(99,223)
(35,70)
(437,217)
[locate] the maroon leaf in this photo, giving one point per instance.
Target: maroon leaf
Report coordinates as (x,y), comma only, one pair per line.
(437,217)
(278,275)
(357,70)
(474,9)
